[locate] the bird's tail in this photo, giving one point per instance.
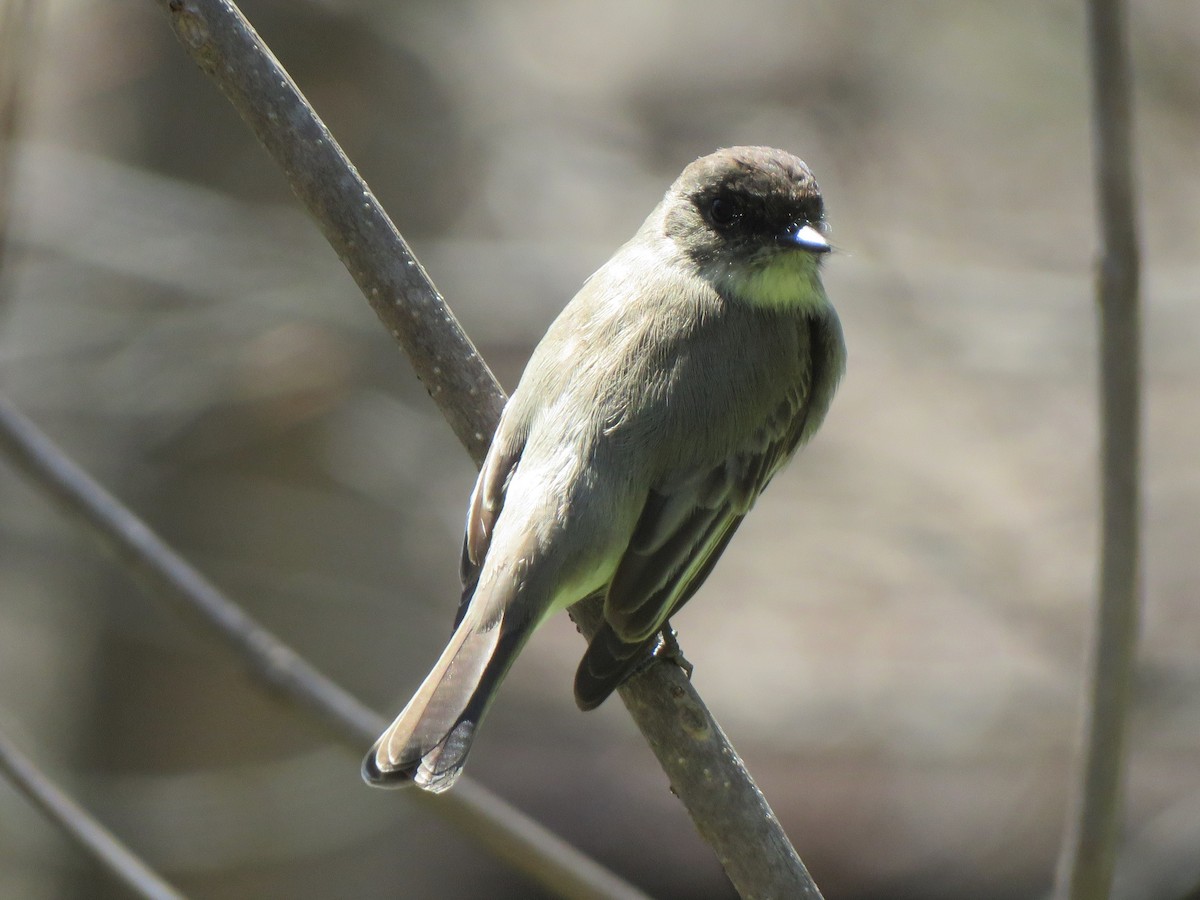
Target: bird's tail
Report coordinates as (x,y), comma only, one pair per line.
(428,743)
(607,664)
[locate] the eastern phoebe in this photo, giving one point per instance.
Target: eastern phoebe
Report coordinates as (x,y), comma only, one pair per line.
(662,400)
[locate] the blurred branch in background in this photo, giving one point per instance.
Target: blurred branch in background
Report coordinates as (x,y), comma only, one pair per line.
(114,856)
(909,612)
(18,24)
(1092,834)
(508,833)
(730,812)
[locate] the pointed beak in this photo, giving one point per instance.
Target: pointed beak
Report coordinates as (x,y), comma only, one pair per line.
(805,237)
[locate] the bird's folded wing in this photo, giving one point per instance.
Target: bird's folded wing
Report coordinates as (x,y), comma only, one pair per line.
(688,521)
(487,501)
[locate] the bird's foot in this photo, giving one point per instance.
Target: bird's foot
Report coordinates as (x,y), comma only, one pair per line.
(667,648)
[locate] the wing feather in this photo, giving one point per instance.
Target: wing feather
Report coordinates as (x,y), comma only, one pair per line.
(487,501)
(688,521)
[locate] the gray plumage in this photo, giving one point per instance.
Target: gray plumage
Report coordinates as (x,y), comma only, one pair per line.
(660,403)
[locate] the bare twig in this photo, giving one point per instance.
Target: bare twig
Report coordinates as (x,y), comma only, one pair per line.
(725,804)
(226,47)
(706,774)
(1089,851)
(510,834)
(93,837)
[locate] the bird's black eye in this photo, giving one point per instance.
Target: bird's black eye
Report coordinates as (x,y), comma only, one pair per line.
(723,211)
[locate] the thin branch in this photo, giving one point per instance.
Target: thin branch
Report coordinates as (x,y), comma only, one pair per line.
(706,774)
(508,833)
(89,834)
(226,47)
(1089,851)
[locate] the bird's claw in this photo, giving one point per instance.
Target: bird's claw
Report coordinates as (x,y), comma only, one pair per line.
(667,648)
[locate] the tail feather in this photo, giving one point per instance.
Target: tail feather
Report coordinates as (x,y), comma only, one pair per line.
(428,743)
(608,663)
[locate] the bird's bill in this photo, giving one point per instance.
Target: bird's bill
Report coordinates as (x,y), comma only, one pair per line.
(805,237)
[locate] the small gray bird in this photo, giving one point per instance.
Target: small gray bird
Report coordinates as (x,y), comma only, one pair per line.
(660,403)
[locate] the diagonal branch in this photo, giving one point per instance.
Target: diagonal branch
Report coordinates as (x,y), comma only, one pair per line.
(511,835)
(1089,851)
(729,810)
(226,47)
(93,837)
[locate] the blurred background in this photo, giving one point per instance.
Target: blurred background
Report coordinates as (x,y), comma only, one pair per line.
(895,641)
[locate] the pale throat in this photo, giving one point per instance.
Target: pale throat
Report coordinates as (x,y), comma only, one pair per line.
(790,280)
